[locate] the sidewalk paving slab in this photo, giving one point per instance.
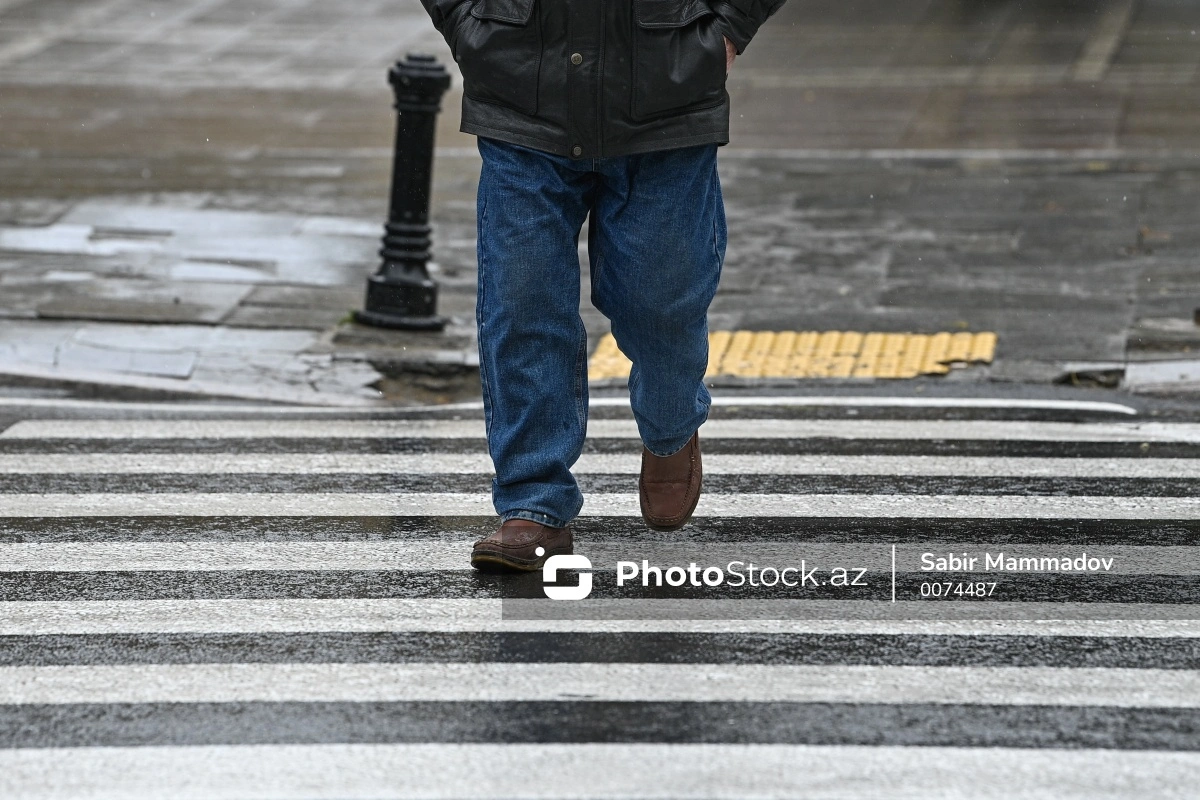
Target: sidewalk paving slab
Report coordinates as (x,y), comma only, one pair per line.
(223,166)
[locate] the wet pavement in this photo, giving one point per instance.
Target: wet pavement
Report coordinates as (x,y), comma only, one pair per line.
(212,602)
(218,172)
(221,601)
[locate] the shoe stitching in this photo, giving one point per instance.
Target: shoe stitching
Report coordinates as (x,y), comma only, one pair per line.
(682,512)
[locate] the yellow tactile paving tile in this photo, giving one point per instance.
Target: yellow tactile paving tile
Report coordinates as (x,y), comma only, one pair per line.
(820,354)
(983,347)
(960,347)
(934,362)
(864,363)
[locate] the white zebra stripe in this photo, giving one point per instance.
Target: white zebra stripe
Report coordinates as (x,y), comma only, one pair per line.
(590,463)
(202,555)
(79,617)
(599,771)
(855,401)
(435,504)
(713,429)
(782,401)
(492,682)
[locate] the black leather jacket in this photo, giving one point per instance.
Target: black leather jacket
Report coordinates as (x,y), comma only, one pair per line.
(594,78)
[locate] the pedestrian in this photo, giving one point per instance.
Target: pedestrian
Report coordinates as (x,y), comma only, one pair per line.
(609,111)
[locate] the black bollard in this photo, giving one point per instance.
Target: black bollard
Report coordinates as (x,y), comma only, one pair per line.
(401,294)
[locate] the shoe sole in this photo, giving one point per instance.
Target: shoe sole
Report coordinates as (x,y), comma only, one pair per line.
(491,561)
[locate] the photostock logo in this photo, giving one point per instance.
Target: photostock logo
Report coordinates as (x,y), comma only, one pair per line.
(697,576)
(550,575)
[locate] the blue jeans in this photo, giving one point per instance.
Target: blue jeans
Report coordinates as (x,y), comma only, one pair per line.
(656,242)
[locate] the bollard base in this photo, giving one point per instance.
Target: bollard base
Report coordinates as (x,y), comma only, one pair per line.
(408,305)
(382,319)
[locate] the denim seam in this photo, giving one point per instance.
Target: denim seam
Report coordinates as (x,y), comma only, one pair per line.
(581,410)
(481,300)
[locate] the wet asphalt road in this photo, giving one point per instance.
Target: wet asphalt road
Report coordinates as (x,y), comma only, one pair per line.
(166,631)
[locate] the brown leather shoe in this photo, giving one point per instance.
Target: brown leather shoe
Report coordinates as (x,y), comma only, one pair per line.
(669,486)
(515,546)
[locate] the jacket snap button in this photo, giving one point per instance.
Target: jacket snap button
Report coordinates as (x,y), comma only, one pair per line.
(576,59)
(576,150)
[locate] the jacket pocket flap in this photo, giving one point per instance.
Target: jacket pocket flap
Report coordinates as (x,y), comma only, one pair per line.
(517,12)
(668,13)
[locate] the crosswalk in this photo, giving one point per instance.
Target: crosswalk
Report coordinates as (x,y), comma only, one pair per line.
(280,606)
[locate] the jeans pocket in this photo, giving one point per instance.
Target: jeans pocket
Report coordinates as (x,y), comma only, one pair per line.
(498,48)
(678,58)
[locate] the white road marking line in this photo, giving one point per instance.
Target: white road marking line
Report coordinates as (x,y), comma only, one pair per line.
(85,617)
(598,771)
(590,463)
(720,428)
(201,555)
(491,682)
(175,504)
(851,401)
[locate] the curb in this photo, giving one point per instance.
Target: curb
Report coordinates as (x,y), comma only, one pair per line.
(94,383)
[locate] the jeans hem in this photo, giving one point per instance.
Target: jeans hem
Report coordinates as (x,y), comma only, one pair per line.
(675,450)
(534,516)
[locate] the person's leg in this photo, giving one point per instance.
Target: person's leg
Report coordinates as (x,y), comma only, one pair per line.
(532,343)
(656,243)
